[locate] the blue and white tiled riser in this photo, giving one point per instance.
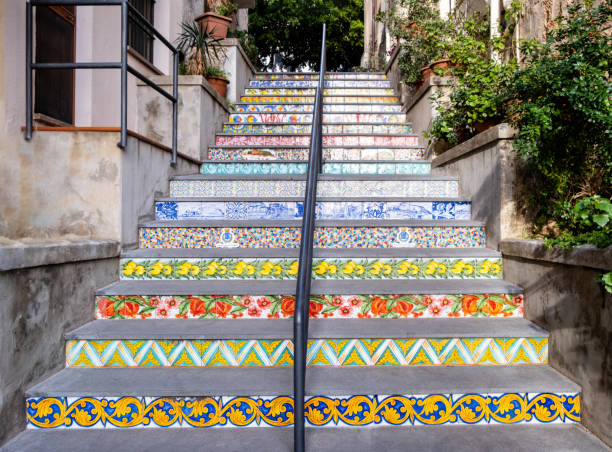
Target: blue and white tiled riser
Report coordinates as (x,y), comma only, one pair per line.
(327,108)
(315,83)
(330,188)
(414,168)
(272,210)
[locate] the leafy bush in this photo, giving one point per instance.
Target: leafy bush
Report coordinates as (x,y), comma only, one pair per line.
(247,41)
(199,49)
(213,71)
(226,8)
(563,114)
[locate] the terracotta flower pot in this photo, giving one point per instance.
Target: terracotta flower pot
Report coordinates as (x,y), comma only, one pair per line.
(219,84)
(214,24)
(485,125)
(426,72)
(443,66)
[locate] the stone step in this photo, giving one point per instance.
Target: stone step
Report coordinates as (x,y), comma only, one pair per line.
(260,396)
(328,140)
(351,91)
(306,118)
(242,153)
(327,108)
(397,167)
(339,299)
(327,234)
(327,208)
(332,342)
(315,76)
(290,185)
(440,438)
(328,129)
(301,84)
(328,99)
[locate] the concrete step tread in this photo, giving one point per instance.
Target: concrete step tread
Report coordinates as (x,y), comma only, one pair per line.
(374,253)
(298,146)
(319,287)
(272,123)
(318,223)
(258,134)
(322,177)
(176,329)
(444,438)
(319,199)
(320,381)
(220,162)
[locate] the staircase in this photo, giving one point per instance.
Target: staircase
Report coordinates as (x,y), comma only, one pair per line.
(412,324)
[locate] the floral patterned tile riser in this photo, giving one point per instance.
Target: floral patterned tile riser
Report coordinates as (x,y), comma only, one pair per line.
(321,306)
(328,76)
(324,237)
(412,168)
(328,129)
(326,100)
(322,411)
(249,154)
(304,140)
(306,118)
(351,188)
(321,352)
(292,210)
(301,84)
(328,268)
(326,92)
(307,108)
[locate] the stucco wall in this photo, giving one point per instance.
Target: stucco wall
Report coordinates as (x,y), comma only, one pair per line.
(39,304)
(239,67)
(563,297)
(201,114)
(489,174)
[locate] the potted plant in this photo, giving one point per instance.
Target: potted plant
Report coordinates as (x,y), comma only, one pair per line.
(217,79)
(217,23)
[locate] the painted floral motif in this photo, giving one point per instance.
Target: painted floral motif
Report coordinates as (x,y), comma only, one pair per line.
(311,92)
(328,140)
(314,83)
(357,268)
(321,306)
(257,118)
(354,410)
(321,352)
(327,108)
(328,129)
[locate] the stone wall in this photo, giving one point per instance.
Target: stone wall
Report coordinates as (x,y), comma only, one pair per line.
(47,290)
(489,174)
(563,297)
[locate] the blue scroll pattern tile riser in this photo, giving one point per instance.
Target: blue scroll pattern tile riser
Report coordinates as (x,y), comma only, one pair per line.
(420,168)
(328,129)
(346,210)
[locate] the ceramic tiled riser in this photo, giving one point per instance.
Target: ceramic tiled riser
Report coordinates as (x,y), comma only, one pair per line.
(305,99)
(327,108)
(238,154)
(328,76)
(328,140)
(405,168)
(306,118)
(330,188)
(328,129)
(300,84)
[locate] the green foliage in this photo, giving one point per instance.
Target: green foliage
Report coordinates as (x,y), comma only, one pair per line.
(293,28)
(606,280)
(213,71)
(198,47)
(226,8)
(247,41)
(563,114)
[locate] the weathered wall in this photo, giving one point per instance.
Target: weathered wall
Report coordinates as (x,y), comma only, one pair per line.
(392,70)
(39,304)
(145,171)
(238,66)
(201,114)
(489,174)
(563,297)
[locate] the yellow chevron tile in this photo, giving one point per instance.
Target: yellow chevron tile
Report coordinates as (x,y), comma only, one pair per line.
(520,357)
(353,359)
(438,344)
(454,358)
(421,358)
(218,359)
(372,345)
(167,346)
(270,346)
(286,359)
(488,358)
(471,344)
(149,359)
(387,359)
(538,343)
(117,360)
(82,360)
(99,346)
(405,345)
(252,359)
(184,359)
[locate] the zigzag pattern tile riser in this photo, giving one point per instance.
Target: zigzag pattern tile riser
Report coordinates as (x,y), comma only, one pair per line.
(381,129)
(329,268)
(321,352)
(301,84)
(350,189)
(345,210)
(250,154)
(321,306)
(376,92)
(329,140)
(356,410)
(366,118)
(413,168)
(324,237)
(327,108)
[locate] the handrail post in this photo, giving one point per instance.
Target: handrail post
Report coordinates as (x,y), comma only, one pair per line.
(174,107)
(304,279)
(29,107)
(124,73)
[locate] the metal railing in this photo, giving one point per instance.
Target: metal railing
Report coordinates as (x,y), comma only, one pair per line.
(304,279)
(128,12)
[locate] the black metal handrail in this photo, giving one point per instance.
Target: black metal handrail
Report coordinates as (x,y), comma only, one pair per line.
(128,12)
(304,279)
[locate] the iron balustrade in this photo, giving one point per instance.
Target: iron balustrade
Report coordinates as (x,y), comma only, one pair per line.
(304,279)
(128,12)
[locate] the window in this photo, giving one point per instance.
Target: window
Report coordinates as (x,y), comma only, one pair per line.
(140,39)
